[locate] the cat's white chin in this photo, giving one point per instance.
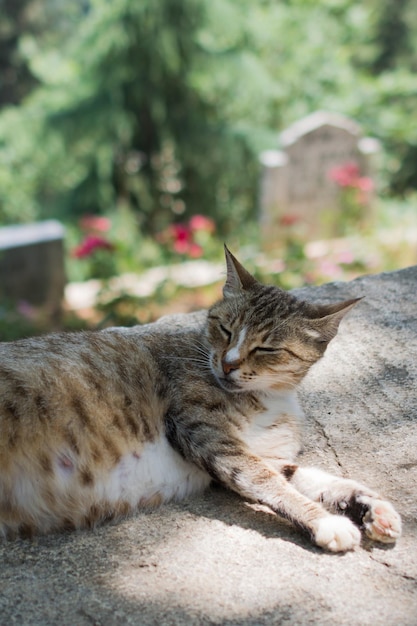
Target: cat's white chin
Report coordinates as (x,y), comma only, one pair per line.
(237,386)
(228,385)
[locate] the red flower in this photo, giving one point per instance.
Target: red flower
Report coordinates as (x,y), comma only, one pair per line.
(90,244)
(182,237)
(345,175)
(181,232)
(348,177)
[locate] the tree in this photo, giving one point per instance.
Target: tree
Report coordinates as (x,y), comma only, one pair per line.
(16,78)
(131,105)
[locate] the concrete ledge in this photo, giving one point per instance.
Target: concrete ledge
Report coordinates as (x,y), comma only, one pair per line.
(215,560)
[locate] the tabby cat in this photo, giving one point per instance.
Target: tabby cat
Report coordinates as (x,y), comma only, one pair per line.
(96,424)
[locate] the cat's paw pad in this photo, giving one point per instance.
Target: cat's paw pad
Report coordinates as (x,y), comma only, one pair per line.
(381,521)
(336,534)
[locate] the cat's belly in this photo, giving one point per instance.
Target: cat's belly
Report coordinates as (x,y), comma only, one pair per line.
(148,477)
(157,474)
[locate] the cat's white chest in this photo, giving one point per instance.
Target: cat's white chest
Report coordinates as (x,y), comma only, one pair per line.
(157,473)
(275,432)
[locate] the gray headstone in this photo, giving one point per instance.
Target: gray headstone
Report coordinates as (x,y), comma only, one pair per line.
(295,180)
(32,264)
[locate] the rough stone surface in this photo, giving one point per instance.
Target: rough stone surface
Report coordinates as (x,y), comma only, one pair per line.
(215,559)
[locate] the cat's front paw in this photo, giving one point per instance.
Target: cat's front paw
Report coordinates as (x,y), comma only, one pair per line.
(336,534)
(381,521)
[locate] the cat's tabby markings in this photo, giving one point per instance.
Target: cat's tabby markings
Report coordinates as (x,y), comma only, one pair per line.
(95,425)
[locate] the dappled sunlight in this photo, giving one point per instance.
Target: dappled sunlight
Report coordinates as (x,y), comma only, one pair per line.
(191,562)
(213,559)
(208,549)
(205,563)
(195,564)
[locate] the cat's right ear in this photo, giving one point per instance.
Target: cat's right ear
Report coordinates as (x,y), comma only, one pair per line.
(327,318)
(237,278)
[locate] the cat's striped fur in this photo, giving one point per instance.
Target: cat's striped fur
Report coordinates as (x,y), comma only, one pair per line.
(94,425)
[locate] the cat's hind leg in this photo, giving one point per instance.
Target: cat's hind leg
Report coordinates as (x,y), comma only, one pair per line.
(376,516)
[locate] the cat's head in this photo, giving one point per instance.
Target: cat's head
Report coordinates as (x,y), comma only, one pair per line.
(263,338)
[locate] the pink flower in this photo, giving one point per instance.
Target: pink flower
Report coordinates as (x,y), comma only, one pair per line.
(195,251)
(329,269)
(365,184)
(201,222)
(348,177)
(96,223)
(364,188)
(345,175)
(90,244)
(182,237)
(181,246)
(345,257)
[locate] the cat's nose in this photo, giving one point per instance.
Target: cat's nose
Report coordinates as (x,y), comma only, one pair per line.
(230,366)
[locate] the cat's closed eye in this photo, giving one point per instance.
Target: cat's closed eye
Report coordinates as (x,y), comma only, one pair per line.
(266,350)
(226,332)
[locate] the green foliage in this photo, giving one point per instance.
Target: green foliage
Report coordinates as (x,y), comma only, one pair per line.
(124,119)
(16,77)
(161,107)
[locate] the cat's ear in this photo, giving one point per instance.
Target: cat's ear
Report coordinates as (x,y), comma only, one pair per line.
(327,318)
(237,277)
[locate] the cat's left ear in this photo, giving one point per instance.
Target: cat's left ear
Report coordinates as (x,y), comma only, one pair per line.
(237,278)
(327,318)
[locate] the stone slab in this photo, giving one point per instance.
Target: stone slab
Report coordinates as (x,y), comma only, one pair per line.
(215,559)
(32,264)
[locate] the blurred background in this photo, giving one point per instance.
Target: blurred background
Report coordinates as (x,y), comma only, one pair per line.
(137,136)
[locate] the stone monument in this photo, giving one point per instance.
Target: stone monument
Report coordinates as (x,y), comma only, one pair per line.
(297,184)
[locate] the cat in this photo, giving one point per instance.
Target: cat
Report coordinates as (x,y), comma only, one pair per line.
(96,424)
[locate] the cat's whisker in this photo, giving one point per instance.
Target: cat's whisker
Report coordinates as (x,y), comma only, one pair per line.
(200,343)
(183,358)
(205,355)
(203,362)
(201,348)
